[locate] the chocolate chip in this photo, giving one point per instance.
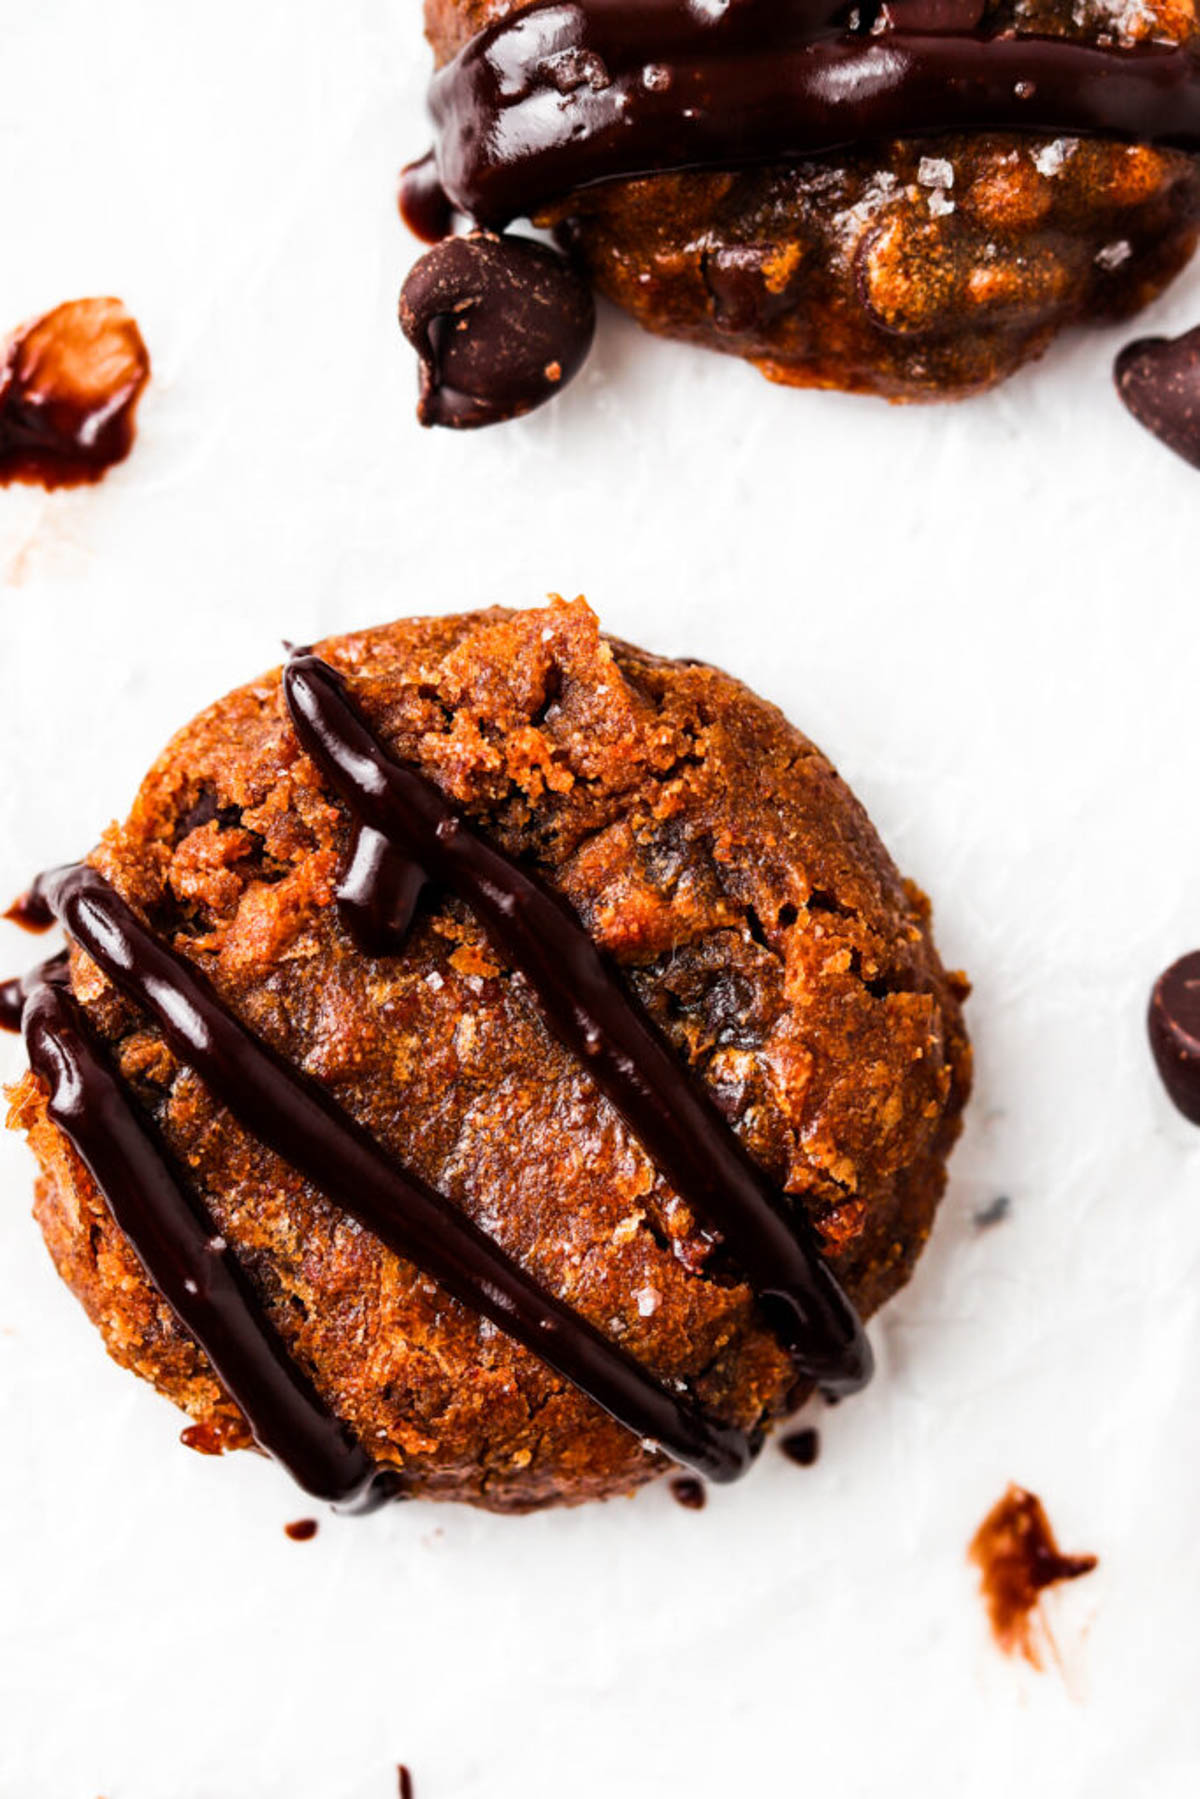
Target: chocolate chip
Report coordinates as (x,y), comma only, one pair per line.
(1159,380)
(1174,1024)
(750,285)
(500,324)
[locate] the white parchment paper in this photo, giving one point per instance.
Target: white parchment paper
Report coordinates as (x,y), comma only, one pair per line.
(987,615)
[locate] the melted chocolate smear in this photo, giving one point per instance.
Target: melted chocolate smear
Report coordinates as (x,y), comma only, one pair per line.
(743,282)
(302,1531)
(801,1446)
(1018,1558)
(303,1125)
(423,203)
(405,1781)
(500,324)
(1174,1027)
(689,1493)
(1158,378)
(585,1003)
(69,386)
(559,97)
(174,1238)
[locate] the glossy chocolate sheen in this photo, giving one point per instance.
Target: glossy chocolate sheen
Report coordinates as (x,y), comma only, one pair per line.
(302,1124)
(1158,378)
(1174,1027)
(560,96)
(587,1006)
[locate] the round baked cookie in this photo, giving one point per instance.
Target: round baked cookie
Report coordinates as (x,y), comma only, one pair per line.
(712,852)
(922,268)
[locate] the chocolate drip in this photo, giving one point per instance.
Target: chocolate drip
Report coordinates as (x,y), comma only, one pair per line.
(423,203)
(302,1124)
(13,994)
(178,1245)
(587,1006)
(31,912)
(379,893)
(560,96)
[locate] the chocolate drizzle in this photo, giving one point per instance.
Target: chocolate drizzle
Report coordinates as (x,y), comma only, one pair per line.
(405,834)
(379,893)
(176,1241)
(586,1005)
(562,95)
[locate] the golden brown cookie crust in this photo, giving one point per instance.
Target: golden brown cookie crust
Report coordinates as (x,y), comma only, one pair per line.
(718,857)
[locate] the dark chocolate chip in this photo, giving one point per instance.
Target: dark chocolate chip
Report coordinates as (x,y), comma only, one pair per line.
(500,324)
(1159,380)
(748,285)
(1174,1025)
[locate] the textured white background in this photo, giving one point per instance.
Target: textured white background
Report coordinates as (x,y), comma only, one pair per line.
(987,616)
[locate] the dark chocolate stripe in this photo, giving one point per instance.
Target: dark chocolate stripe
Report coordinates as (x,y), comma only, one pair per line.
(587,1006)
(379,893)
(302,1124)
(560,96)
(178,1246)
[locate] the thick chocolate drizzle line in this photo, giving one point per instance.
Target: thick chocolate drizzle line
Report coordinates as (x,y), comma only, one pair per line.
(302,1124)
(178,1245)
(560,96)
(587,1006)
(379,893)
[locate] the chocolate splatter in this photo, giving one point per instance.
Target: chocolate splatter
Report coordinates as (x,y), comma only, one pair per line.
(500,324)
(70,382)
(302,1531)
(689,1493)
(1018,1558)
(405,1782)
(801,1446)
(995,1212)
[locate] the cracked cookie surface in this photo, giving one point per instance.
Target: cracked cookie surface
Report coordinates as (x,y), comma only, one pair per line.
(717,856)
